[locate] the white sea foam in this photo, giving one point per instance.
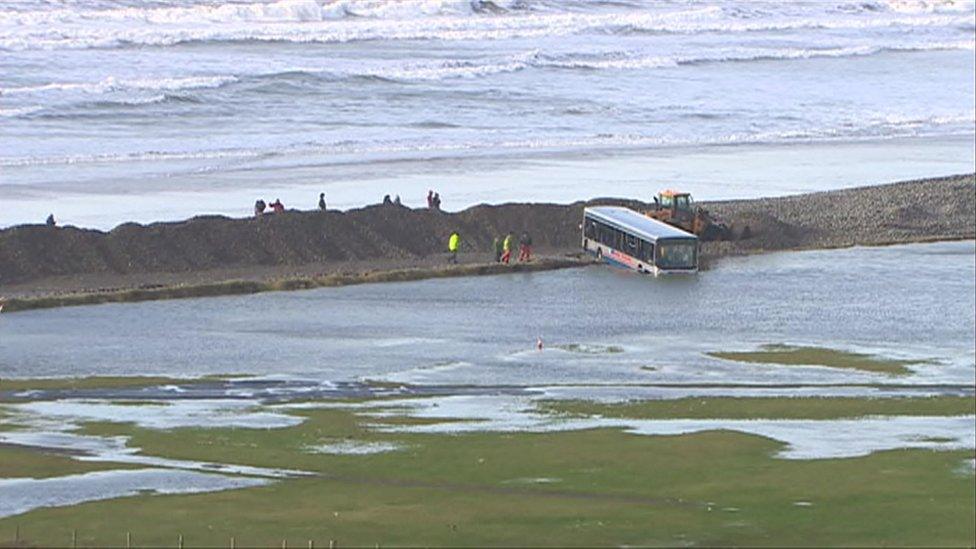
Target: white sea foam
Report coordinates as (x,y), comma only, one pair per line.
(303,84)
(873,126)
(19,111)
(112,84)
(308,21)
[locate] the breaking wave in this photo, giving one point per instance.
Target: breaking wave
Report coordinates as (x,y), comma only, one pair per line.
(303,21)
(464,68)
(871,126)
(112,84)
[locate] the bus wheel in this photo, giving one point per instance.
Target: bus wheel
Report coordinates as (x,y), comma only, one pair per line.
(599,253)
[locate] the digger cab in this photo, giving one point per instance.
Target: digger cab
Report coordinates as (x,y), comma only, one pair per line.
(675,201)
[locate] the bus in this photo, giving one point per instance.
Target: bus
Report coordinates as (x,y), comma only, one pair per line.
(634,241)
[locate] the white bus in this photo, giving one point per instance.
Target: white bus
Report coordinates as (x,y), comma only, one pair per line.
(632,240)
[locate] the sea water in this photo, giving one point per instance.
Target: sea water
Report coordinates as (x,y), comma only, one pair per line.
(129,110)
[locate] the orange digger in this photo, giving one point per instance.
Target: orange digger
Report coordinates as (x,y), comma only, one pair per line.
(678,209)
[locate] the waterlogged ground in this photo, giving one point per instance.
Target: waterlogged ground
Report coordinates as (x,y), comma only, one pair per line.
(808,398)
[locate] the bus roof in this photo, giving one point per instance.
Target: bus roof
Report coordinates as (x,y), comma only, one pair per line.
(639,224)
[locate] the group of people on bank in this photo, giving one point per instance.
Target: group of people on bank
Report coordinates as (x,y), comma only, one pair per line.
(261,207)
(503,246)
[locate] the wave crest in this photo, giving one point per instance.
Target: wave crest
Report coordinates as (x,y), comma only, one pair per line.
(304,21)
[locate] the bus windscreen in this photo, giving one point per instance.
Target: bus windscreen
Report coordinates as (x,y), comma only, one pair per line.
(676,255)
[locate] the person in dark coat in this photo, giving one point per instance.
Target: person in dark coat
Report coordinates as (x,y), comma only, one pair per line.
(525,247)
(497,245)
(322,202)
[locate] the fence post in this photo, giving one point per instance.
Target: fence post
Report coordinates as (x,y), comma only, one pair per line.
(128,540)
(233,544)
(17,534)
(284,544)
(311,544)
(74,539)
(181,541)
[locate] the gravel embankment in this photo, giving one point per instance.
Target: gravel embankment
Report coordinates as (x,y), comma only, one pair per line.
(38,261)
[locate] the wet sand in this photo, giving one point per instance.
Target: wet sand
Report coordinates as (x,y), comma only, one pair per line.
(45,267)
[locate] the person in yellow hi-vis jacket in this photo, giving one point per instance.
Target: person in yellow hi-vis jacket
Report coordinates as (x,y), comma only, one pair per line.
(507,249)
(452,245)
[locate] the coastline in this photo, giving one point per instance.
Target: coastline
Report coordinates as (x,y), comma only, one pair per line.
(210,256)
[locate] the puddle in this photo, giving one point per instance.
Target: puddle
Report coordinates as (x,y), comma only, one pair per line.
(169,414)
(532,480)
(114,450)
(804,439)
(51,425)
(609,394)
(20,495)
(967,468)
(354,447)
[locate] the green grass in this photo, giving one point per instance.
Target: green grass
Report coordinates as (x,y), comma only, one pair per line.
(711,488)
(818,356)
(769,408)
(18,462)
(99,382)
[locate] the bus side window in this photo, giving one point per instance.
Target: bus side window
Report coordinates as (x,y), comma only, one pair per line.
(589,229)
(632,245)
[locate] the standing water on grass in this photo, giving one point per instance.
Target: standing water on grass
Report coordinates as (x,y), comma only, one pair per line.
(463,350)
(159,110)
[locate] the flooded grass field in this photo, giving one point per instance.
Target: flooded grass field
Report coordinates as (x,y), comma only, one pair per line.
(816,398)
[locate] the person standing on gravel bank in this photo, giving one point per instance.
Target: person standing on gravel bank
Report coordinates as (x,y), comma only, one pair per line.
(321,202)
(525,247)
(50,222)
(507,249)
(453,243)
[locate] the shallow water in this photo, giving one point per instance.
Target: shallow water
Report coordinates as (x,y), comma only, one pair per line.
(19,495)
(912,301)
(804,438)
(465,347)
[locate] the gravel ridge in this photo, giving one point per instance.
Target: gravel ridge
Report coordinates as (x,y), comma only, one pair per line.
(378,236)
